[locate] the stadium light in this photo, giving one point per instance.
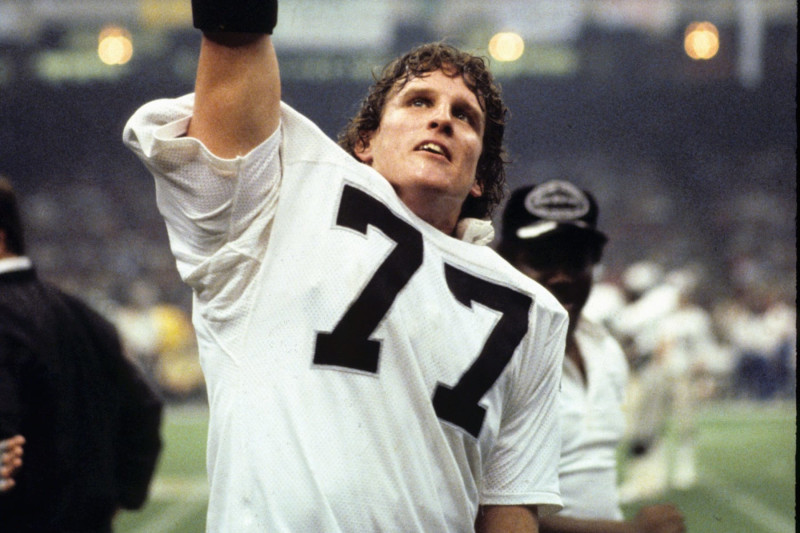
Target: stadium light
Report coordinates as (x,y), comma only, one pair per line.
(701,40)
(115,46)
(506,46)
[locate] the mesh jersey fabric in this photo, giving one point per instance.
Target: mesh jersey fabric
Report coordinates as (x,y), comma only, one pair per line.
(592,425)
(279,246)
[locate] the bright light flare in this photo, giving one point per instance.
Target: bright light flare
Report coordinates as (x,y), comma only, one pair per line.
(506,46)
(701,40)
(115,46)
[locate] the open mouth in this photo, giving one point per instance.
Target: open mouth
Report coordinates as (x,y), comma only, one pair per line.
(434,148)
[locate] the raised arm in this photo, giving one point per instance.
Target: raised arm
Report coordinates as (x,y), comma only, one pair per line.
(237,89)
(507,519)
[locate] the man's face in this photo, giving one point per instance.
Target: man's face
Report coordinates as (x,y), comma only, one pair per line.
(428,143)
(564,268)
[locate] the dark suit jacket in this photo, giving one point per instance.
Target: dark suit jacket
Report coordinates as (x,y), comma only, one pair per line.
(91,422)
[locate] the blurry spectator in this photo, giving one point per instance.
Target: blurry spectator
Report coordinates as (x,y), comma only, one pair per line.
(677,348)
(761,329)
(550,234)
(160,337)
(605,301)
(648,300)
(686,349)
(90,422)
(137,325)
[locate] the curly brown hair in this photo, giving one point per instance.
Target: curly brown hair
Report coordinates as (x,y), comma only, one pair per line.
(420,61)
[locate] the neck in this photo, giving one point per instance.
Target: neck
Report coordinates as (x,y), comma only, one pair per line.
(437,210)
(573,353)
(572,345)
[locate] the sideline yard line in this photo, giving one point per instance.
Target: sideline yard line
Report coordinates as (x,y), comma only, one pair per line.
(179,488)
(193,497)
(169,519)
(763,515)
(184,412)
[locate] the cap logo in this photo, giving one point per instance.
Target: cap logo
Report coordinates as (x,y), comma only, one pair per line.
(557,200)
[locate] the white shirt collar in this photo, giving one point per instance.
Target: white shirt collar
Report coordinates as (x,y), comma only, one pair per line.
(13,264)
(475,231)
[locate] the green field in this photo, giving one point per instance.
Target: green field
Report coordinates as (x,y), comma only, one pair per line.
(746,474)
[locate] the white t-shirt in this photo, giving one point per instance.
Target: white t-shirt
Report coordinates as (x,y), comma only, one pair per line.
(639,320)
(341,338)
(592,425)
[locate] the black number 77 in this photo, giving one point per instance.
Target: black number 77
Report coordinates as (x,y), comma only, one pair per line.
(349,345)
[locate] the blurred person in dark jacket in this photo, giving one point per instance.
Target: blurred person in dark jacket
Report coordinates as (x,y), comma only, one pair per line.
(90,422)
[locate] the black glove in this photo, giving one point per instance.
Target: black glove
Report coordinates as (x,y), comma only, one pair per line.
(240,16)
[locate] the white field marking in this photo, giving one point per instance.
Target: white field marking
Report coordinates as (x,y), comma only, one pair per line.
(179,488)
(763,515)
(189,496)
(188,413)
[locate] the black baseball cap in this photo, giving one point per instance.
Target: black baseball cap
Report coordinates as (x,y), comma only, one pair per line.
(552,207)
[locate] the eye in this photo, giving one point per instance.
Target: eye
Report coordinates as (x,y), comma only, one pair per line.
(419,101)
(465,115)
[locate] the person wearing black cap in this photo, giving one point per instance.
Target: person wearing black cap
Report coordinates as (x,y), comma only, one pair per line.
(549,232)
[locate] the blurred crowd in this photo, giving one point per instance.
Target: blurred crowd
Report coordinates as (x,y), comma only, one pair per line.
(742,346)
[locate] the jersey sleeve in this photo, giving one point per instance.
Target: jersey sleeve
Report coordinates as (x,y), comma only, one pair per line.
(218,212)
(523,467)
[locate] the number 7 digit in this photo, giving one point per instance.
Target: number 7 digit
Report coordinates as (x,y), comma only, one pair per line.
(349,345)
(459,405)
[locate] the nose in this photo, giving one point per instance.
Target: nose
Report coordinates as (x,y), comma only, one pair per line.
(442,119)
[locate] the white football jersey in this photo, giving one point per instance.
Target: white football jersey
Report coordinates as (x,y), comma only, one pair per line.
(365,371)
(592,425)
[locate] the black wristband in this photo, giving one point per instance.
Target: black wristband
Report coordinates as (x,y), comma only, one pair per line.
(241,16)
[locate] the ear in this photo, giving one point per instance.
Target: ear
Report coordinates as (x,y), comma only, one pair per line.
(476,190)
(363,149)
